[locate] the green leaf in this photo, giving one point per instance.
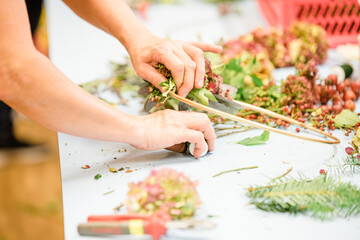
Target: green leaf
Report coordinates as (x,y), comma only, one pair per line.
(255,140)
(203,95)
(97,176)
(234,65)
(347,119)
(257,81)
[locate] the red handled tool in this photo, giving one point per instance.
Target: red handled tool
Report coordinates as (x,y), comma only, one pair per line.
(134,224)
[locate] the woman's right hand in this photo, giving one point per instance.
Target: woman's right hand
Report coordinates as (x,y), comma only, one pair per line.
(168,129)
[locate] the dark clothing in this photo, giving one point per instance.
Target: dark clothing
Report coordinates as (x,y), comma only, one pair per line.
(6,126)
(34,11)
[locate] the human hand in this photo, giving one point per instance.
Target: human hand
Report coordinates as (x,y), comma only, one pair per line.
(185,60)
(171,129)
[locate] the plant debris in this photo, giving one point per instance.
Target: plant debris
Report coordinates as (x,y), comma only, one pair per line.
(121,169)
(235,170)
(111,191)
(111,169)
(264,137)
(85,167)
(117,208)
(97,176)
(129,171)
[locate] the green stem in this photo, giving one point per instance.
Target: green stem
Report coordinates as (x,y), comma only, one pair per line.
(235,170)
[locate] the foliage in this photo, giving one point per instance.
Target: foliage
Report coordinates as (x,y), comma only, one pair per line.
(346,119)
(212,83)
(323,197)
(164,190)
(263,138)
(122,79)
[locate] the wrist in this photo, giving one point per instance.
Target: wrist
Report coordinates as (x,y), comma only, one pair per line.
(135,130)
(134,40)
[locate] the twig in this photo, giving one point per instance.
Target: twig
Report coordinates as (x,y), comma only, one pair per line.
(282,175)
(109,192)
(229,128)
(235,170)
(229,133)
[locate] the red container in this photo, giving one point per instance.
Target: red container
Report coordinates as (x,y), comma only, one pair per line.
(340,18)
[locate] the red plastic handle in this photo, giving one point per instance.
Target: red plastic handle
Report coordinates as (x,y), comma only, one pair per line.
(116,218)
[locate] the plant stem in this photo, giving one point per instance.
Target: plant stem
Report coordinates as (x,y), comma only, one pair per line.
(282,175)
(229,133)
(111,191)
(235,170)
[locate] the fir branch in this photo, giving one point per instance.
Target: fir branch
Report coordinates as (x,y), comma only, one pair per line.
(322,197)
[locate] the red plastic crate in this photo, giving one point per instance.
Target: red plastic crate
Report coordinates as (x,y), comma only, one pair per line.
(340,18)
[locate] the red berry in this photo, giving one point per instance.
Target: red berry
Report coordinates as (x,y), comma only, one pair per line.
(322,172)
(349,95)
(349,104)
(298,129)
(349,150)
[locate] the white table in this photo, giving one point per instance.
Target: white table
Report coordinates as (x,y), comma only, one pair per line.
(83,53)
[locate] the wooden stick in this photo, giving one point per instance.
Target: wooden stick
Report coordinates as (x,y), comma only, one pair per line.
(258,125)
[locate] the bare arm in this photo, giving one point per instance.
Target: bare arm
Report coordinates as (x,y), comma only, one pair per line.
(31,84)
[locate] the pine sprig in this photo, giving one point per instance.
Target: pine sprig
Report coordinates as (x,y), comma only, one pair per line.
(322,197)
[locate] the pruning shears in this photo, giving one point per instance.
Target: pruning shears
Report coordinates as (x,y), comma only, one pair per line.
(137,225)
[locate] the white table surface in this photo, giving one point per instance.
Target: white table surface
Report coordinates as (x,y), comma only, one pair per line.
(83,53)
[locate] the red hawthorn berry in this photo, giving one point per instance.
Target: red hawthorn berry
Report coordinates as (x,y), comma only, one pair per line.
(298,129)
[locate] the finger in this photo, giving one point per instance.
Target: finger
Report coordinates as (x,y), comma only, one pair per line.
(197,56)
(201,122)
(174,64)
(189,73)
(181,147)
(207,47)
(153,76)
(196,137)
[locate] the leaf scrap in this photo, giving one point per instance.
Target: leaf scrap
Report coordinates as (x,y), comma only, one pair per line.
(255,140)
(85,167)
(346,119)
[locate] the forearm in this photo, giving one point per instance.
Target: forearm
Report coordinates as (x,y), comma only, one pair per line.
(36,88)
(113,16)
